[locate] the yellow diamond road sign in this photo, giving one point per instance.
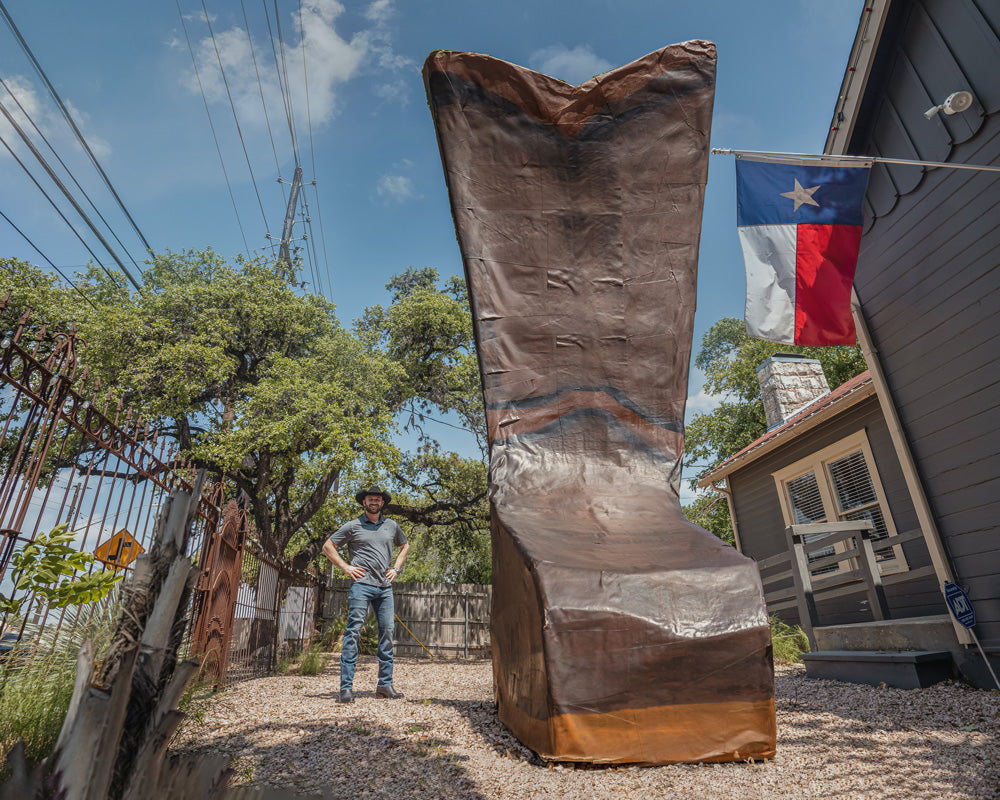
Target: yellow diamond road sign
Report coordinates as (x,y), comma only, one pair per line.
(120,550)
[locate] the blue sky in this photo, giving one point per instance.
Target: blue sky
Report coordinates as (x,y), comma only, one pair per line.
(379,204)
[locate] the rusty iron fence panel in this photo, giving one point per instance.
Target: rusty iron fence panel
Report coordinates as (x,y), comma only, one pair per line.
(275,614)
(216,592)
(452,620)
(70,454)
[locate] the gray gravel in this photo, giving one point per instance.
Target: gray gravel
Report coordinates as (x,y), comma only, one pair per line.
(835,740)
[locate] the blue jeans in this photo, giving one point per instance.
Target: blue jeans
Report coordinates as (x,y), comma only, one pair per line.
(358,599)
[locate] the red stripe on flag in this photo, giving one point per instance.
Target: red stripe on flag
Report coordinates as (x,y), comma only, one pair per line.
(825,258)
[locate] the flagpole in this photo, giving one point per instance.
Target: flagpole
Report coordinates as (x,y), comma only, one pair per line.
(861,160)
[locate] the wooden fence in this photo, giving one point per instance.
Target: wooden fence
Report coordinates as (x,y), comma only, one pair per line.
(452,620)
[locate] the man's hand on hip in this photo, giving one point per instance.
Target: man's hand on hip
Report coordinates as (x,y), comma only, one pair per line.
(355,572)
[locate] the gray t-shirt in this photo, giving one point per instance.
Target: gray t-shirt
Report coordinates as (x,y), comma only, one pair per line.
(369,545)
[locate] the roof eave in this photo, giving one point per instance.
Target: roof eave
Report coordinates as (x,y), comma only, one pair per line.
(859,66)
(809,421)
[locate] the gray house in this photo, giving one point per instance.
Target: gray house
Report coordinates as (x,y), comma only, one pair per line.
(828,459)
(922,84)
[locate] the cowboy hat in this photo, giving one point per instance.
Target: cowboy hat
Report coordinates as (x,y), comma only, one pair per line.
(361,495)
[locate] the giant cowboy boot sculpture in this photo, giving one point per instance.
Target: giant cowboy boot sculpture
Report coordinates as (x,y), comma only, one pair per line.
(621,632)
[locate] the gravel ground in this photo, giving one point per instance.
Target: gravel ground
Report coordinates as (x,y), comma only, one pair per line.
(835,740)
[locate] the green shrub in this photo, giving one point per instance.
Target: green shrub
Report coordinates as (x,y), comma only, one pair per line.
(34,696)
(312,662)
(284,664)
(788,643)
(36,678)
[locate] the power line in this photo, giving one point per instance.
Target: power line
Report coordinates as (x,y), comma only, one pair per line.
(59,212)
(55,179)
(47,259)
(424,416)
(69,119)
(263,102)
(211,125)
(68,171)
(311,243)
(312,156)
(236,119)
(284,83)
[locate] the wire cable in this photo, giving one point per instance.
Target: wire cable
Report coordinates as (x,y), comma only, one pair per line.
(60,213)
(68,171)
(312,156)
(34,247)
(69,119)
(55,179)
(236,119)
(263,102)
(211,125)
(306,228)
(286,91)
(311,243)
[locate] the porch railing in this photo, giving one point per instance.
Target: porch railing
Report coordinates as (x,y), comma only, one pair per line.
(855,555)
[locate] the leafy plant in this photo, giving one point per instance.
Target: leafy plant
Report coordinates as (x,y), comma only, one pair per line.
(33,702)
(312,662)
(788,643)
(36,683)
(284,664)
(48,567)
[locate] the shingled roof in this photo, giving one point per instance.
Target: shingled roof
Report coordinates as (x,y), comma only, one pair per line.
(844,396)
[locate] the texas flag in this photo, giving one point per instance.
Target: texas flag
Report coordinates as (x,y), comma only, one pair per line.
(800,229)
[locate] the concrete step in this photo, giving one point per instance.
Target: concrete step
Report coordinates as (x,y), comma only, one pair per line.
(914,633)
(907,669)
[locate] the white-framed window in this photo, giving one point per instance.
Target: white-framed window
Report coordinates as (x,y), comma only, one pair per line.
(840,483)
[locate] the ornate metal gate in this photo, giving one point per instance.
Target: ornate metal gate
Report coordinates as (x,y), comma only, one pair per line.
(217,590)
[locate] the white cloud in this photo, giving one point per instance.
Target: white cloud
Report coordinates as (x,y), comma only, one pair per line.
(321,59)
(379,11)
(701,403)
(31,102)
(574,66)
(395,187)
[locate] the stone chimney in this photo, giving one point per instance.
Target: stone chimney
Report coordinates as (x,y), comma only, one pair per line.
(788,383)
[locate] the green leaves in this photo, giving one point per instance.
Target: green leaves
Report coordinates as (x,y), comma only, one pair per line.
(40,564)
(256,380)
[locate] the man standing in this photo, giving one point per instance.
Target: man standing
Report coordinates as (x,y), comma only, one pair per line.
(370,540)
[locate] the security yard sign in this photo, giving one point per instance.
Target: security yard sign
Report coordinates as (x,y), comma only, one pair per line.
(960,605)
(120,550)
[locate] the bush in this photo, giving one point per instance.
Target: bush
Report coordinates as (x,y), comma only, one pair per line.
(312,662)
(34,697)
(788,643)
(36,680)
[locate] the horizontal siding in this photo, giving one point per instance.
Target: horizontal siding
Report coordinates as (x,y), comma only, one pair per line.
(929,281)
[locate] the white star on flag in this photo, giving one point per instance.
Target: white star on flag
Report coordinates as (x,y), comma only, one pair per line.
(801,195)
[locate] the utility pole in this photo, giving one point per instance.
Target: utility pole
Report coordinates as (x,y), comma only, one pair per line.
(284,252)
